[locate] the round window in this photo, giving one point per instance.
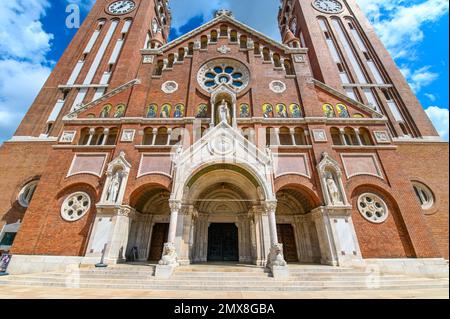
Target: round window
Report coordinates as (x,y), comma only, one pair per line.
(223,71)
(372,208)
(26,194)
(424,195)
(75,206)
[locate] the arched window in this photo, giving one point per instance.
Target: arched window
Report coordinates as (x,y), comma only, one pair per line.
(170,60)
(244,42)
(98,137)
(112,136)
(84,136)
(257,50)
(285,136)
(181,54)
(336,136)
(203,42)
(266,55)
(365,136)
(148,136)
(26,193)
(271,138)
(191,48)
(424,195)
(233,36)
(289,68)
(300,136)
(350,136)
(223,31)
(158,68)
(277,60)
(214,36)
(162,136)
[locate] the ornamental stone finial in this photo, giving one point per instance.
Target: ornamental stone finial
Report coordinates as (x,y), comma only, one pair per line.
(224,12)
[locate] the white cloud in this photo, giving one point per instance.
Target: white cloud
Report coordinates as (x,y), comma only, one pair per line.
(419,78)
(24,68)
(431,97)
(439,117)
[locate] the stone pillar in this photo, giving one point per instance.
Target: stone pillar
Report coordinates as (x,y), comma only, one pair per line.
(91,135)
(169,260)
(155,133)
(337,237)
(112,227)
(182,242)
(342,135)
(275,260)
(105,135)
(358,137)
(292,132)
(261,236)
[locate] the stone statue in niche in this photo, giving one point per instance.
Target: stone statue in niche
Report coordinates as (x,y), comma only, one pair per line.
(224,112)
(114,187)
(333,190)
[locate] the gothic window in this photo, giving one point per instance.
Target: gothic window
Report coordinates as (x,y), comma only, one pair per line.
(191,48)
(336,136)
(277,60)
(270,136)
(223,71)
(257,50)
(159,68)
(243,42)
(424,195)
(27,192)
(112,136)
(300,136)
(75,206)
(285,136)
(289,68)
(162,136)
(170,60)
(233,36)
(204,42)
(84,136)
(181,54)
(266,55)
(365,136)
(373,208)
(98,137)
(350,136)
(223,31)
(214,36)
(148,136)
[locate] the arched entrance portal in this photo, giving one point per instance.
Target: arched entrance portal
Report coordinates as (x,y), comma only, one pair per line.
(223,199)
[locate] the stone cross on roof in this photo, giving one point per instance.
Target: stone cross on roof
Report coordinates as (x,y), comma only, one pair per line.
(224,12)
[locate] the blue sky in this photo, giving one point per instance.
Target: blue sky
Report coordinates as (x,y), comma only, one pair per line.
(33,36)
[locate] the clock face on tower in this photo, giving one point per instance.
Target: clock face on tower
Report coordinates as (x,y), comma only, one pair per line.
(121,7)
(328,6)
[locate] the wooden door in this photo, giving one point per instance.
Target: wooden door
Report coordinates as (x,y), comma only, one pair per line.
(287,238)
(159,237)
(223,242)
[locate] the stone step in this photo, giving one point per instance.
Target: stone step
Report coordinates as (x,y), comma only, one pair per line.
(240,287)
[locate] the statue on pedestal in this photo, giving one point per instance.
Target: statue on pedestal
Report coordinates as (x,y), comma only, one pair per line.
(114,187)
(333,190)
(224,112)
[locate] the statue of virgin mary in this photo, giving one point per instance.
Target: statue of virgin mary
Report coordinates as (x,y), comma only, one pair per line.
(224,112)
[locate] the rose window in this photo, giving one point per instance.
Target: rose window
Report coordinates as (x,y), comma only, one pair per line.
(373,208)
(223,71)
(75,206)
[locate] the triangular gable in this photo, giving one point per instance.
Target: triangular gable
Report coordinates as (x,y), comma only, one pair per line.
(103,99)
(340,96)
(238,24)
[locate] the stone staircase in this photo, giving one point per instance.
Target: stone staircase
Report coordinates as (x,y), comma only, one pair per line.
(232,278)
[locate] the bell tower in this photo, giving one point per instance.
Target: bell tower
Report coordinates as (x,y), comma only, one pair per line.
(103,55)
(346,54)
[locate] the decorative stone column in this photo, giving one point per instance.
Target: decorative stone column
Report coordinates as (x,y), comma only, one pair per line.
(169,260)
(261,234)
(275,260)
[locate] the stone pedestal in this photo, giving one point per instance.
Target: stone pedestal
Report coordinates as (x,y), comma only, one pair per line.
(337,237)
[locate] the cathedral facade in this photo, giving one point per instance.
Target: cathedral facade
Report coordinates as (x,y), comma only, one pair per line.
(224,145)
